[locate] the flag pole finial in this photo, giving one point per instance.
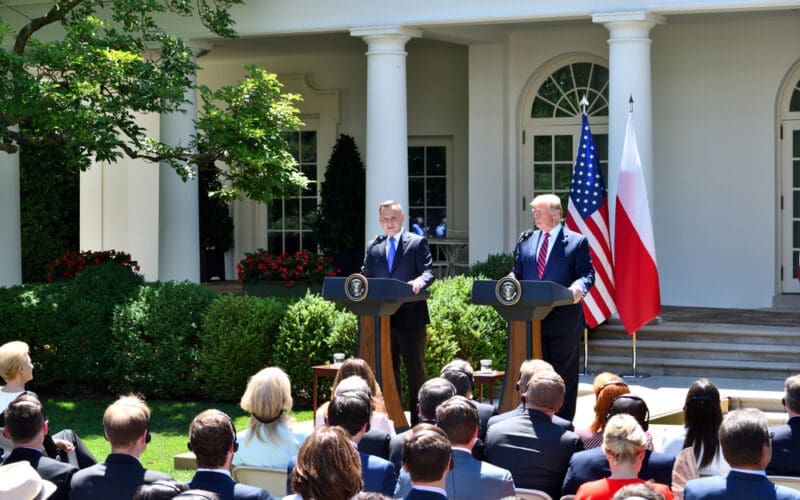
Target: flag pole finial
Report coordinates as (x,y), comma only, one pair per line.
(630,104)
(584,103)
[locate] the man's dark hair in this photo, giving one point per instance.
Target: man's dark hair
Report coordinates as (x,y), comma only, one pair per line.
(426,453)
(458,418)
(350,410)
(792,394)
(459,373)
(211,435)
(743,434)
(433,393)
(24,418)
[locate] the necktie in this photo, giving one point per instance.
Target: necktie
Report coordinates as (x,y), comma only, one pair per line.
(542,258)
(391,253)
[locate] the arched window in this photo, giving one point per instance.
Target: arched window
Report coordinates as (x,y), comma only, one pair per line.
(561,92)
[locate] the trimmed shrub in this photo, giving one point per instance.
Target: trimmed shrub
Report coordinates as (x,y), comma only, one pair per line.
(156,338)
(238,332)
(494,267)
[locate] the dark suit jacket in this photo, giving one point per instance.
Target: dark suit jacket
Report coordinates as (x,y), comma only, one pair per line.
(485,412)
(737,486)
(59,473)
(591,465)
(534,449)
(378,474)
(376,443)
(413,259)
(785,449)
(416,494)
(224,486)
(117,477)
(519,410)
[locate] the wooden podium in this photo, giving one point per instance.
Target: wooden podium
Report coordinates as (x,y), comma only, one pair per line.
(374,300)
(523,304)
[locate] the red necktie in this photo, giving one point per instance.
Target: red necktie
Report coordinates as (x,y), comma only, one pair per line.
(542,259)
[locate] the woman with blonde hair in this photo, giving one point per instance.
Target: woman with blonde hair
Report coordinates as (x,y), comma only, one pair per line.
(624,443)
(269,440)
(607,387)
(358,367)
(328,467)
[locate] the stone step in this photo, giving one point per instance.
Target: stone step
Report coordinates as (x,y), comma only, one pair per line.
(698,350)
(705,332)
(695,367)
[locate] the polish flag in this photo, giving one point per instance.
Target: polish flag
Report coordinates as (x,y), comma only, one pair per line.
(635,269)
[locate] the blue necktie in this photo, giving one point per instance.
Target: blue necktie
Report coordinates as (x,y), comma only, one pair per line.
(391,253)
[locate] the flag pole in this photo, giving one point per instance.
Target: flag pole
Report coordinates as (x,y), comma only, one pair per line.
(634,373)
(586,352)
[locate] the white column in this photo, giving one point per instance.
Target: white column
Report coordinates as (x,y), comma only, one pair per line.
(629,75)
(11,239)
(387,121)
(178,209)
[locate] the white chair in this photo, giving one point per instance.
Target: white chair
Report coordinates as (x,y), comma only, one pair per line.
(530,494)
(792,482)
(272,480)
(568,497)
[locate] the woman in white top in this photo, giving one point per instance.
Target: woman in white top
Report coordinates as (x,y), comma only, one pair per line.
(269,440)
(358,367)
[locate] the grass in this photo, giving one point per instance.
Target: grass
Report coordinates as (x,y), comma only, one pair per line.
(169,426)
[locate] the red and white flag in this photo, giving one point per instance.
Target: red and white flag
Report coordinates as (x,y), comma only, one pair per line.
(635,269)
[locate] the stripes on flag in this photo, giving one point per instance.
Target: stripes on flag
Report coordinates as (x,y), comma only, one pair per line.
(587,214)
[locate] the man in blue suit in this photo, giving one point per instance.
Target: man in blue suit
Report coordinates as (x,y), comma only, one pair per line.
(351,410)
(427,457)
(554,253)
(212,438)
(745,440)
(404,256)
(786,438)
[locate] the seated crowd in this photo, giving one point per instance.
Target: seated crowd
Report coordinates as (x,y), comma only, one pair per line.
(461,449)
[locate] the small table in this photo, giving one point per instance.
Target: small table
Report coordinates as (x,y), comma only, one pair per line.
(487,378)
(320,371)
(450,248)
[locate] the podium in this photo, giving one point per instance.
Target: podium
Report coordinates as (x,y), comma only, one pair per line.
(374,300)
(523,304)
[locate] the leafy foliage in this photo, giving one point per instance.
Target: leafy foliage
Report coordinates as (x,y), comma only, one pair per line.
(72,262)
(300,266)
(494,267)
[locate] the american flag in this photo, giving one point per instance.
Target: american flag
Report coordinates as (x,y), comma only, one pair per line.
(587,214)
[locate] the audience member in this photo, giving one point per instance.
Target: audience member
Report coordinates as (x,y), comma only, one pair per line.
(16,368)
(433,392)
(527,370)
(419,226)
(786,438)
(607,386)
(592,464)
(624,444)
(380,420)
(470,478)
(212,438)
(159,490)
(427,457)
(351,410)
(19,481)
(26,426)
(745,439)
(534,449)
(638,491)
(697,446)
(459,373)
(126,424)
(328,467)
(269,440)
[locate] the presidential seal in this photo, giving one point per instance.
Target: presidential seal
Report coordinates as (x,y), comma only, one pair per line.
(508,291)
(356,287)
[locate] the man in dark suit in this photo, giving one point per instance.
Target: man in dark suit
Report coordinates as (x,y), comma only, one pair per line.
(531,446)
(745,440)
(554,253)
(404,256)
(427,457)
(126,424)
(461,375)
(786,438)
(212,438)
(26,426)
(351,410)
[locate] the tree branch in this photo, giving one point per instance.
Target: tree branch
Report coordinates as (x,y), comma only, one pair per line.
(56,13)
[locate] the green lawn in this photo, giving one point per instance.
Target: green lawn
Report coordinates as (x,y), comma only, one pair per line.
(169,427)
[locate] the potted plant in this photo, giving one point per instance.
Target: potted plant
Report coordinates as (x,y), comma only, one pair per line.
(263,274)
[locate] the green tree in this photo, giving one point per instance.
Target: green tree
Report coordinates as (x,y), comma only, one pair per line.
(81,92)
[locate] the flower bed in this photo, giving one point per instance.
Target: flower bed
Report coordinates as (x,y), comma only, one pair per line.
(300,267)
(73,261)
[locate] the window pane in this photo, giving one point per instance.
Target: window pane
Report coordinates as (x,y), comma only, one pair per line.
(794,104)
(795,143)
(291,213)
(563,77)
(435,216)
(310,171)
(274,214)
(563,176)
(309,206)
(416,160)
(796,211)
(601,145)
(549,91)
(293,139)
(564,150)
(436,160)
(561,112)
(541,109)
(795,264)
(291,242)
(275,241)
(796,235)
(309,243)
(437,191)
(796,168)
(416,191)
(564,201)
(542,178)
(600,79)
(542,148)
(308,142)
(581,72)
